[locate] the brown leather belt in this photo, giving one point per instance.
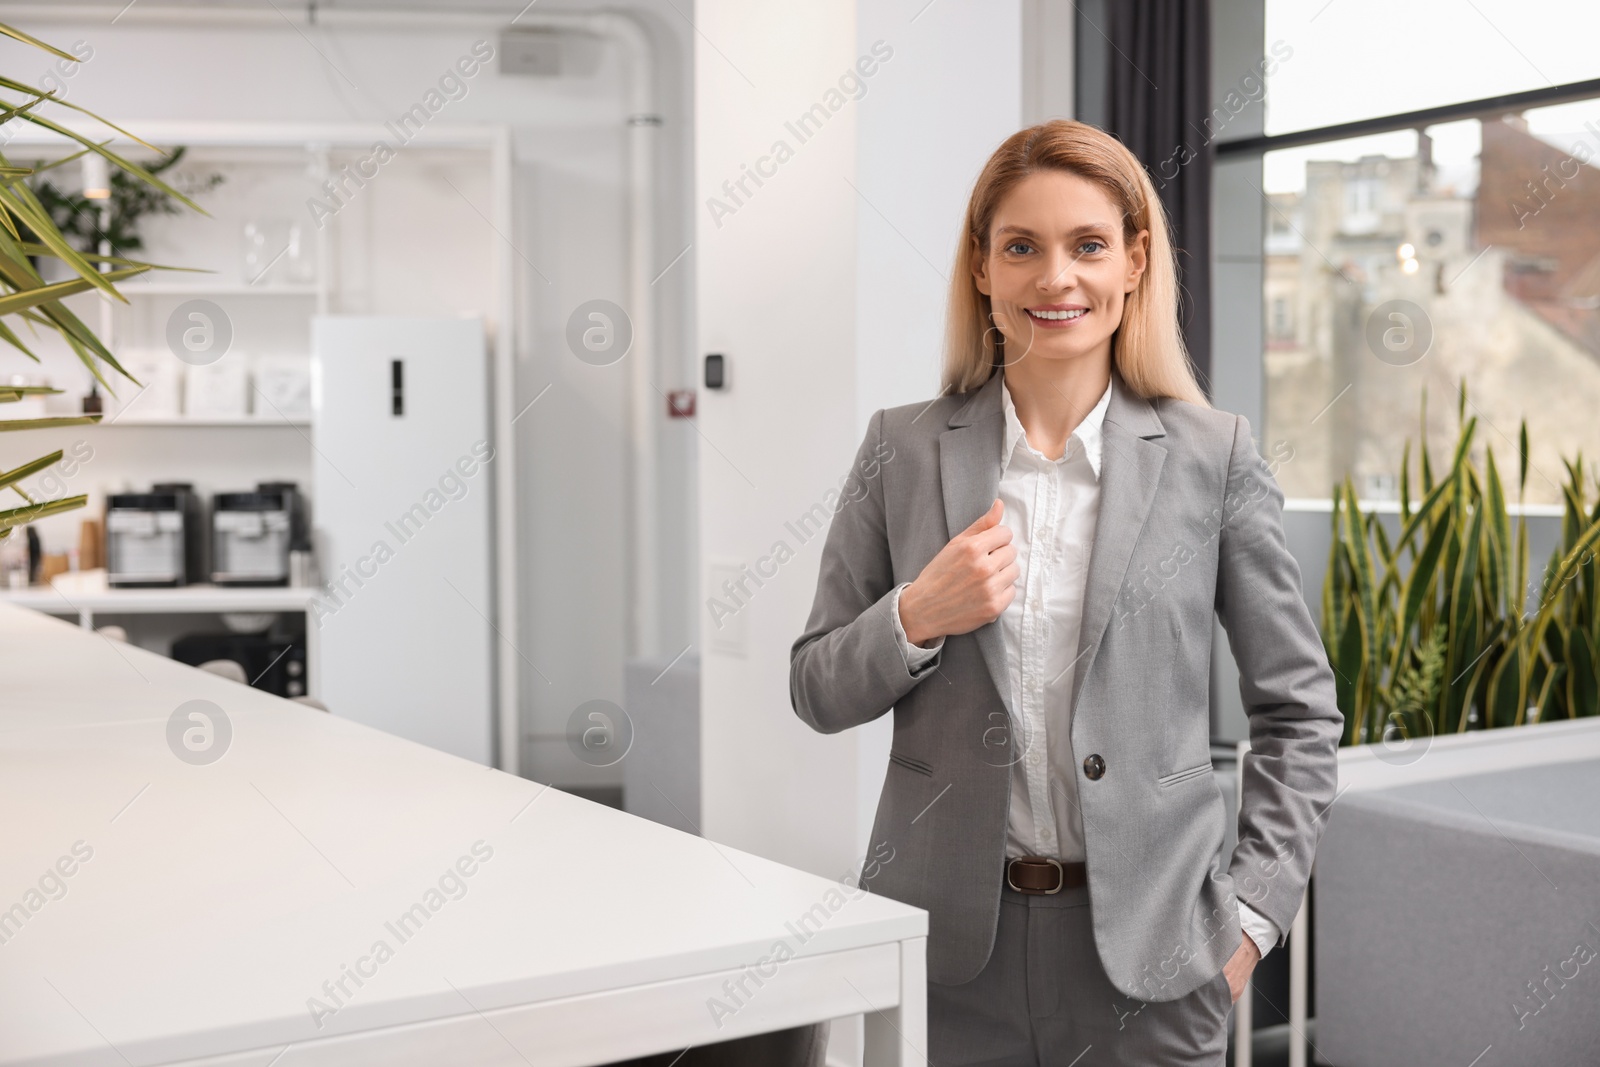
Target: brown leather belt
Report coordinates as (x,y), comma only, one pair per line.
(1043,876)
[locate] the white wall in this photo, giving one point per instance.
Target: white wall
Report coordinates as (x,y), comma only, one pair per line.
(569,234)
(776,295)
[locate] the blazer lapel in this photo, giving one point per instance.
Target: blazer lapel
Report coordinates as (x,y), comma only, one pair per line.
(1130,467)
(969,467)
(969,464)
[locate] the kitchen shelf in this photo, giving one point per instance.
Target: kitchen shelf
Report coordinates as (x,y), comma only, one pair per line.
(268,421)
(86,594)
(128,288)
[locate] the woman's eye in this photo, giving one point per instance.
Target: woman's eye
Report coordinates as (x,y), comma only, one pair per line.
(1015,245)
(1094,246)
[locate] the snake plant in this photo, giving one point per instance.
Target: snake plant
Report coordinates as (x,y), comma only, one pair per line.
(1434,632)
(26,229)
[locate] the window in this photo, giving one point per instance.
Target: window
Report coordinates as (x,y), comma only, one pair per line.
(1441,249)
(1361,59)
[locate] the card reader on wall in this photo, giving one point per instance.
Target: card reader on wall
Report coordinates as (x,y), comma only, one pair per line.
(716,371)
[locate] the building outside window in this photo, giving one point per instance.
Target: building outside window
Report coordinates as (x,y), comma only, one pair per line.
(1413,258)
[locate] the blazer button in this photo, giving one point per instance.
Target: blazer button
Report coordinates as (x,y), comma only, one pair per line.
(1094,767)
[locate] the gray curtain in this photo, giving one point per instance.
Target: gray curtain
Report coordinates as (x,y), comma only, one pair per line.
(1158,103)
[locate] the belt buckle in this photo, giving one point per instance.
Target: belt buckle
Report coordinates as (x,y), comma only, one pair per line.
(1061,877)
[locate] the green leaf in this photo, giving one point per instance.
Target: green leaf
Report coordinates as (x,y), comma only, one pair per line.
(95,257)
(1444,489)
(20,201)
(1505,690)
(12,112)
(24,515)
(1499,539)
(1455,716)
(41,166)
(23,87)
(1463,616)
(112,157)
(29,298)
(1332,587)
(11,477)
(17,392)
(1522,458)
(1546,694)
(1583,686)
(46,423)
(17,35)
(1419,583)
(1405,490)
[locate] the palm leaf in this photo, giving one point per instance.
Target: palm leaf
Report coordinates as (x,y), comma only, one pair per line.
(44,294)
(24,515)
(17,35)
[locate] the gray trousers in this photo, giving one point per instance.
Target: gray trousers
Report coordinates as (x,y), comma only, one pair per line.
(1043,1000)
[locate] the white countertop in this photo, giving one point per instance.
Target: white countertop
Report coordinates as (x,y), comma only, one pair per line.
(219,898)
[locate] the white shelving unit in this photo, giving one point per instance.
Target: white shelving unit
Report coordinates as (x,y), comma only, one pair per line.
(314,145)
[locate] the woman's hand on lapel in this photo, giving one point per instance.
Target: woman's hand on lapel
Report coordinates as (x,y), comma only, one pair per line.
(968,584)
(1240,966)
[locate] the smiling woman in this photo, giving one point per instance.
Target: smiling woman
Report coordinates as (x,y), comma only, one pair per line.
(1062,808)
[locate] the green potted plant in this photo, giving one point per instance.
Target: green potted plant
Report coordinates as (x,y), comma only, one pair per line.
(27,233)
(1431,633)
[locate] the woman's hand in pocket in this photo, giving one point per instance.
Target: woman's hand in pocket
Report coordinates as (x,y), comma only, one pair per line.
(968,584)
(1239,968)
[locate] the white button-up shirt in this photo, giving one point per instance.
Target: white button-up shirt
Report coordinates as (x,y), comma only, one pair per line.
(1050,506)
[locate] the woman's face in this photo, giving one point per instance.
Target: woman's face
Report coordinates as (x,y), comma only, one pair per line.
(1058,268)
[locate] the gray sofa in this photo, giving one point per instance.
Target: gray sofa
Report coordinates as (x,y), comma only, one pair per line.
(1458,922)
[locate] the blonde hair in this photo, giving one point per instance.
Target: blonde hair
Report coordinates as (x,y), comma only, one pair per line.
(1147,348)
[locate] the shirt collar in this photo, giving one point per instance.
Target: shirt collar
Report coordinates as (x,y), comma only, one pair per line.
(1088,432)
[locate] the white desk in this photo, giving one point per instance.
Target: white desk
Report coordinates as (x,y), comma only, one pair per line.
(220,898)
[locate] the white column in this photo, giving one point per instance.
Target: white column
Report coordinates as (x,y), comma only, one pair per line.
(775,249)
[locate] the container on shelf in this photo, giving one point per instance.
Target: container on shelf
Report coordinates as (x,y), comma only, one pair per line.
(159,394)
(283,386)
(219,390)
(267,243)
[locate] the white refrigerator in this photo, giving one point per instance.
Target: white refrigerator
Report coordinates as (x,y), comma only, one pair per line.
(402,483)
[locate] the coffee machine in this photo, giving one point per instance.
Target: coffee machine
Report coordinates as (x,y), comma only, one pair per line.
(252,534)
(154,538)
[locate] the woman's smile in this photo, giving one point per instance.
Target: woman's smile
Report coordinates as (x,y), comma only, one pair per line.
(1057,316)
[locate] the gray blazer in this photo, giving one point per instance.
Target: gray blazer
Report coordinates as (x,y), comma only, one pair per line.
(1190,522)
